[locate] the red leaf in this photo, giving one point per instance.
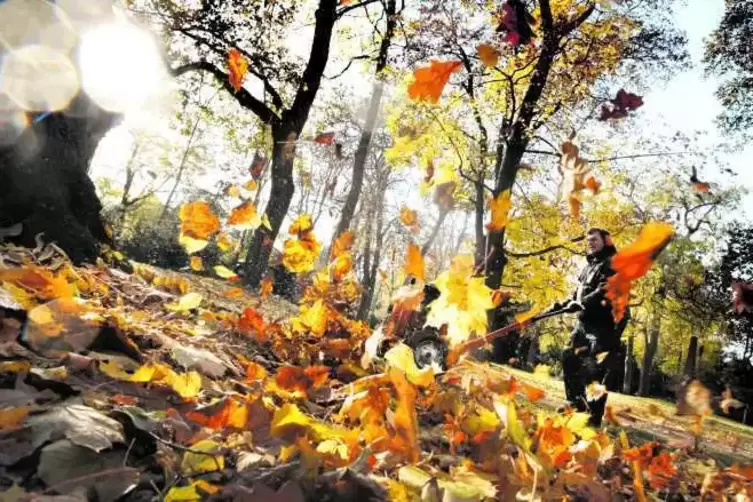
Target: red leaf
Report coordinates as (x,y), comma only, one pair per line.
(327,138)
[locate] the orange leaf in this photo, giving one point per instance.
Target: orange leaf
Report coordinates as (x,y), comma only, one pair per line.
(244,216)
(251,323)
(414,262)
(234,293)
(405,440)
(500,207)
(429,81)
(265,287)
(40,281)
(11,418)
(327,138)
(227,413)
(488,55)
(198,221)
(633,262)
(702,186)
(295,378)
(196,264)
(592,184)
(661,471)
(408,217)
(343,244)
(238,67)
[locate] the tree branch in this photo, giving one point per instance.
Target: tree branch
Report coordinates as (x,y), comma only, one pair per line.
(546,249)
(243,97)
(358,5)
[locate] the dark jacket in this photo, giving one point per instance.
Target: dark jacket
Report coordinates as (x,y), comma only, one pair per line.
(596,317)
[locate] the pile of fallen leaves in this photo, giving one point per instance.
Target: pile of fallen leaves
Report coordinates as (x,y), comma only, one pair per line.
(152,385)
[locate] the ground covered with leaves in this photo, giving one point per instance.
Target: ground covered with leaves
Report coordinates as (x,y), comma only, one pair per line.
(150,385)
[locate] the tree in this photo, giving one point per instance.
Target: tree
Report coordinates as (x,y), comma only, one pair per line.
(256,31)
(728,54)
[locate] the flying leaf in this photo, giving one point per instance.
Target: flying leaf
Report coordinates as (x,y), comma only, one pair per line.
(619,107)
(429,81)
(405,440)
(488,55)
(302,225)
(186,302)
(224,272)
(191,245)
(343,244)
(196,264)
(728,401)
(500,208)
(313,318)
(244,217)
(633,262)
(409,218)
(225,242)
(694,399)
(198,221)
(414,262)
(237,67)
(202,458)
(300,255)
(233,191)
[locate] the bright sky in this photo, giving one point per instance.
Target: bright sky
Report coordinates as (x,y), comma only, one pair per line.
(685,103)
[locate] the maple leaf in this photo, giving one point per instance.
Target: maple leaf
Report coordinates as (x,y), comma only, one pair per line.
(633,262)
(488,55)
(300,255)
(500,208)
(414,262)
(238,68)
(463,302)
(244,217)
(303,224)
(229,412)
(313,318)
(251,323)
(429,81)
(198,221)
(661,471)
(619,107)
(42,283)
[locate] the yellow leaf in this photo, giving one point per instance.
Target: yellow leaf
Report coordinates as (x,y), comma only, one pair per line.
(186,385)
(265,222)
(414,262)
(314,318)
(500,208)
(401,356)
(195,463)
(186,302)
(192,245)
(224,272)
(488,55)
(190,492)
(15,366)
(196,264)
(225,242)
(251,185)
(41,315)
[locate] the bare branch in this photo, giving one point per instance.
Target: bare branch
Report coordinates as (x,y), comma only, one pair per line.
(358,5)
(546,250)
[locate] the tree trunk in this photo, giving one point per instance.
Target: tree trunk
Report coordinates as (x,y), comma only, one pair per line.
(288,129)
(649,353)
(690,360)
(427,245)
(627,384)
(367,298)
(44,182)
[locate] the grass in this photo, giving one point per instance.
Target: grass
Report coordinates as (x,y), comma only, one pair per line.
(646,419)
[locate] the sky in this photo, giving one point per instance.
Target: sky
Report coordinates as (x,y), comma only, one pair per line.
(686,103)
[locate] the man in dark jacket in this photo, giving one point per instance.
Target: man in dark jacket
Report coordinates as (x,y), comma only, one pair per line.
(592,355)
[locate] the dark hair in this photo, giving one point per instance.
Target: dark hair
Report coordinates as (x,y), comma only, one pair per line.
(609,247)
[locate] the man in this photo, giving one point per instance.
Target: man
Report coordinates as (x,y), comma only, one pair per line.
(595,342)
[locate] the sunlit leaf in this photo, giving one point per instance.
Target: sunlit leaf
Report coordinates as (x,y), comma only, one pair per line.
(207,461)
(192,245)
(244,217)
(225,242)
(414,262)
(237,68)
(186,302)
(190,493)
(196,264)
(251,323)
(429,81)
(401,357)
(198,221)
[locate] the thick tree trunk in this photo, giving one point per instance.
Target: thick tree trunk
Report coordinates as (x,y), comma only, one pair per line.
(44,182)
(627,384)
(285,130)
(478,223)
(649,353)
(691,359)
